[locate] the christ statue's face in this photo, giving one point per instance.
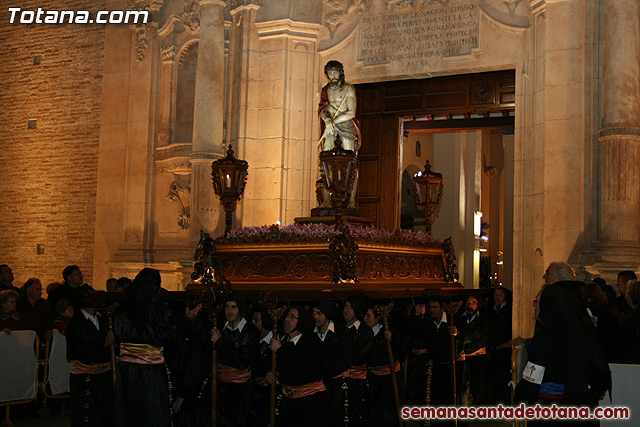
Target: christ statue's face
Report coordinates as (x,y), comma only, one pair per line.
(334,76)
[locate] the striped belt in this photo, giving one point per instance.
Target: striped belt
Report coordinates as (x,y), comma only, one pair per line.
(384,369)
(298,391)
(478,352)
(358,372)
(344,374)
(229,374)
(78,367)
(142,354)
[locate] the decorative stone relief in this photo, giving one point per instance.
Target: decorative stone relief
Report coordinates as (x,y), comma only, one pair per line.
(191,14)
(141,30)
(180,191)
(168,53)
(337,13)
(142,41)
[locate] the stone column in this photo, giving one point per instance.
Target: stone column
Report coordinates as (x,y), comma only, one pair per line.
(208,118)
(619,135)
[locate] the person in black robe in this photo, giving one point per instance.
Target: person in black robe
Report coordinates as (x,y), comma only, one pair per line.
(190,364)
(353,314)
(143,326)
(473,327)
(415,327)
(567,353)
(438,341)
(259,405)
(88,351)
(301,401)
(236,347)
(381,407)
(337,351)
(499,346)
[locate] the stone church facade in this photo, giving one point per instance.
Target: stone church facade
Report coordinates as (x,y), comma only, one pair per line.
(128,118)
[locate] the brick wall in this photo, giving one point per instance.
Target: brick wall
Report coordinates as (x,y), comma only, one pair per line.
(48,176)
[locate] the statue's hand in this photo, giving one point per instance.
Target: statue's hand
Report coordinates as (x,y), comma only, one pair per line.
(330,127)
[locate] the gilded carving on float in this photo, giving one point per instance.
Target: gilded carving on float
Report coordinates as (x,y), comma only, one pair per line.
(320,257)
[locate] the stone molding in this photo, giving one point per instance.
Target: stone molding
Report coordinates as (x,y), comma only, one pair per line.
(235,4)
(175,165)
(287,27)
(615,131)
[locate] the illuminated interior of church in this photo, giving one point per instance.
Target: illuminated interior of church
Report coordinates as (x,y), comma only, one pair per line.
(480,141)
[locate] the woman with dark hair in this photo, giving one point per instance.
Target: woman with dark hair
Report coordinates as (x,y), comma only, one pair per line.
(566,364)
(143,326)
(10,318)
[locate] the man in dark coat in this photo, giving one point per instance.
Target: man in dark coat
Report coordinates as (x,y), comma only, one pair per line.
(36,309)
(236,347)
(70,288)
(565,365)
(337,351)
(88,351)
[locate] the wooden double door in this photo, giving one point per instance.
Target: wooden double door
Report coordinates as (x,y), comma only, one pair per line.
(437,104)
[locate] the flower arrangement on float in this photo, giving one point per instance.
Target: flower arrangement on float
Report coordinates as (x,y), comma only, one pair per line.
(324,232)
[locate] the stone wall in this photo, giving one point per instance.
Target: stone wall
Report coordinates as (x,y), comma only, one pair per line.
(48,174)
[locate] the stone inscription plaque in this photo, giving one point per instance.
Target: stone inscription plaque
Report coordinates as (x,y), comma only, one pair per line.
(414,36)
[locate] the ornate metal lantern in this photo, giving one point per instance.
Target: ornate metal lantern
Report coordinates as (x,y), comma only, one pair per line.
(229,177)
(428,186)
(338,168)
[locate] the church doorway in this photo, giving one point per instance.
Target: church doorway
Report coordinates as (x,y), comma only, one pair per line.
(464,126)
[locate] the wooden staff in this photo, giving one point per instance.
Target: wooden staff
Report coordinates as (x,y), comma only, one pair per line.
(275,314)
(384,311)
(112,348)
(451,309)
